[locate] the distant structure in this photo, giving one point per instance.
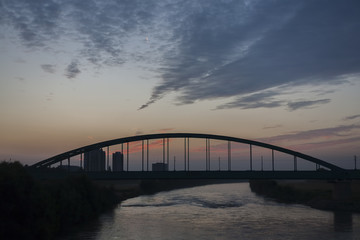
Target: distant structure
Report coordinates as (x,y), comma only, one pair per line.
(70,168)
(160,167)
(94,160)
(118,162)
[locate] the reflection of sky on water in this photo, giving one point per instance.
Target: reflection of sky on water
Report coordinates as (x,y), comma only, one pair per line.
(224,211)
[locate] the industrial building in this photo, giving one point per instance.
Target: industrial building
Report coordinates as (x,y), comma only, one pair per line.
(94,160)
(117,162)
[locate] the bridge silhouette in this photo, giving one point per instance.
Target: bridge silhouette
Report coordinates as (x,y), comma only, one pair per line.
(324,170)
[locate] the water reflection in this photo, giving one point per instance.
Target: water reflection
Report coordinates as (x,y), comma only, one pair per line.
(228,211)
(343,221)
(92,229)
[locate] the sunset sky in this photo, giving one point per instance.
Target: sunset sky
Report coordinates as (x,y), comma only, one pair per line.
(75,72)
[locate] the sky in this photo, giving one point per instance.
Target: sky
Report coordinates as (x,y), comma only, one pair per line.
(76,72)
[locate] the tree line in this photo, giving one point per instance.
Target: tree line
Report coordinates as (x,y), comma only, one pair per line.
(34,209)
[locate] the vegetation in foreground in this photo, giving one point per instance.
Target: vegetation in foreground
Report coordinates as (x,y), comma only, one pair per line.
(32,209)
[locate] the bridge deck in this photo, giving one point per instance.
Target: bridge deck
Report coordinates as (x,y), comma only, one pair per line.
(330,175)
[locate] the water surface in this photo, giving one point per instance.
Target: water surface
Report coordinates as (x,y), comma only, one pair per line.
(222,211)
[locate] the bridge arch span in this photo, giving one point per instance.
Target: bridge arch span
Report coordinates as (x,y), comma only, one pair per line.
(63,156)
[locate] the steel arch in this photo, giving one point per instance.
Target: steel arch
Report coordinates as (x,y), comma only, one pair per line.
(63,156)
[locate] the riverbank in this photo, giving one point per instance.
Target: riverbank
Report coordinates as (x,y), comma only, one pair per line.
(34,209)
(314,193)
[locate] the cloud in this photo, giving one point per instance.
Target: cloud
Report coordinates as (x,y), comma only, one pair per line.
(49,97)
(20,60)
(151,101)
(49,68)
(202,49)
(269,99)
(306,104)
(165,130)
(272,127)
(256,100)
(21,79)
(35,21)
(322,133)
(325,143)
(72,70)
(139,132)
(153,144)
(234,49)
(316,138)
(103,30)
(352,117)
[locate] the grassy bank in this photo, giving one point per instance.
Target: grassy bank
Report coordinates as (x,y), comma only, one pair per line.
(316,194)
(32,209)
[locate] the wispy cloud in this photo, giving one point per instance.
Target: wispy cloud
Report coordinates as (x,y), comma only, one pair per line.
(352,117)
(322,133)
(49,68)
(148,103)
(272,127)
(139,132)
(21,79)
(49,97)
(324,144)
(165,130)
(19,60)
(270,99)
(90,138)
(72,70)
(306,104)
(153,144)
(256,100)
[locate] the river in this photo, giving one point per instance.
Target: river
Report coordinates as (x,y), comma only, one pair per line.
(221,211)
